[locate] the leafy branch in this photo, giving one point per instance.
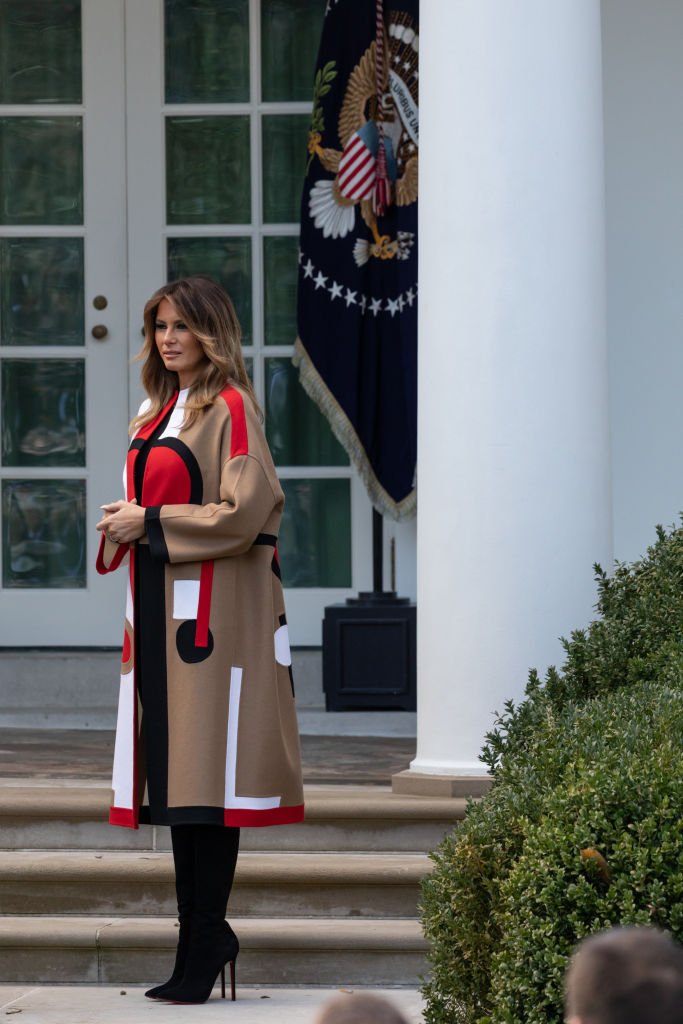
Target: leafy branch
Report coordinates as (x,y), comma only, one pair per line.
(321,86)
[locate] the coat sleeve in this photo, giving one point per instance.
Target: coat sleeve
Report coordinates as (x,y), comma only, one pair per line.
(195,533)
(110,555)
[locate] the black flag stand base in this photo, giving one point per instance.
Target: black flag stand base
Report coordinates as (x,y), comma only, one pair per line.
(369,645)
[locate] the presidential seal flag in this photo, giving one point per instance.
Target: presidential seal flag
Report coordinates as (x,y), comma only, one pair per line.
(357,299)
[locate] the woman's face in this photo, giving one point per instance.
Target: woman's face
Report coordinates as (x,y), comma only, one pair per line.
(177,345)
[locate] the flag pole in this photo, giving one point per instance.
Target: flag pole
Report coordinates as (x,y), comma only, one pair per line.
(377,552)
(378,595)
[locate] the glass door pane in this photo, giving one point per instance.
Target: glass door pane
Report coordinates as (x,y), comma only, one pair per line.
(226,260)
(41,170)
(297,432)
(40,52)
(290,37)
(43,412)
(284,162)
(43,534)
(315,537)
(207,51)
(207,170)
(41,291)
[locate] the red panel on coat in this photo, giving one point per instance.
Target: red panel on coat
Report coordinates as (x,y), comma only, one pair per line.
(239,439)
(166,480)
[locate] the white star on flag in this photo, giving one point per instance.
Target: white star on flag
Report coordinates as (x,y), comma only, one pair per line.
(363,303)
(320,281)
(350,298)
(335,290)
(375,306)
(410,296)
(391,306)
(308,269)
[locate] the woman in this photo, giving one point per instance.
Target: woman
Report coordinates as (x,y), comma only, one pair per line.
(207,736)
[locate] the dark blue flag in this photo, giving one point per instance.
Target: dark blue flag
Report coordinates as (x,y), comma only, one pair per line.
(357,303)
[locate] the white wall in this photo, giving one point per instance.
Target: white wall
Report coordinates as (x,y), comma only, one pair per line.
(643,92)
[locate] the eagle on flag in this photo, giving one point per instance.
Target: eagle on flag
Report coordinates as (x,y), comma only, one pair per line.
(364,122)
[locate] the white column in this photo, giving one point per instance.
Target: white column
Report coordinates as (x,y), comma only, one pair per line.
(514,486)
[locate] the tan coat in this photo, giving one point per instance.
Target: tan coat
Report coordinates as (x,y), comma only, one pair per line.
(206,693)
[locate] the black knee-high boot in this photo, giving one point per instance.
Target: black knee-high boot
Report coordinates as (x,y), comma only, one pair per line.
(182,838)
(213,943)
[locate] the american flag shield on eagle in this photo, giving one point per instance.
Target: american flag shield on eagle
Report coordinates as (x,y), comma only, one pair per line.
(357,298)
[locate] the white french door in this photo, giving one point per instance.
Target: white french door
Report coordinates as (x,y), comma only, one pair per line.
(219,111)
(63,314)
(142,140)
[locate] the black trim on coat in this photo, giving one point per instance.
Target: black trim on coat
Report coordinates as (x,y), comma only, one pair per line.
(150,644)
(155,534)
(196,815)
(151,677)
(191,465)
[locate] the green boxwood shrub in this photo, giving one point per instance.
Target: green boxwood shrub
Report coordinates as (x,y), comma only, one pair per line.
(591,761)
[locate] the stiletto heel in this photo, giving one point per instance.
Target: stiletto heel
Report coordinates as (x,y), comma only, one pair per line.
(232,981)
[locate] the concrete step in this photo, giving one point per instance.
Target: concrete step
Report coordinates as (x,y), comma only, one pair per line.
(338,818)
(266,884)
(279,951)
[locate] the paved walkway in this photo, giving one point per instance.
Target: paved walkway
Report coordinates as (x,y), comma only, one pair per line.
(87,754)
(72,1004)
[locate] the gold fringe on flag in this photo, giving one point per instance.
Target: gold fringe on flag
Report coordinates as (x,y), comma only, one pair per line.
(343,430)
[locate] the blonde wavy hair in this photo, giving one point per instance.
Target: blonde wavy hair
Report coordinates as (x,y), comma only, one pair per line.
(208,312)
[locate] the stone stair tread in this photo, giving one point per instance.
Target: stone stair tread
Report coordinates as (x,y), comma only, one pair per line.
(54,801)
(314,868)
(319,934)
(322,802)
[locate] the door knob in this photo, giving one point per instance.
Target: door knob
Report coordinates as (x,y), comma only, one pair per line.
(99,331)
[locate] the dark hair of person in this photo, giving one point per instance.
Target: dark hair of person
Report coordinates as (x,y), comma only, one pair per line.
(626,976)
(209,314)
(360,1008)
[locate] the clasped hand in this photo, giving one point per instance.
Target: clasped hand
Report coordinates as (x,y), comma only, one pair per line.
(123,521)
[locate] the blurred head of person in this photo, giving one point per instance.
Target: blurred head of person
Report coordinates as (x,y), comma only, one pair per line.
(360,1008)
(625,976)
